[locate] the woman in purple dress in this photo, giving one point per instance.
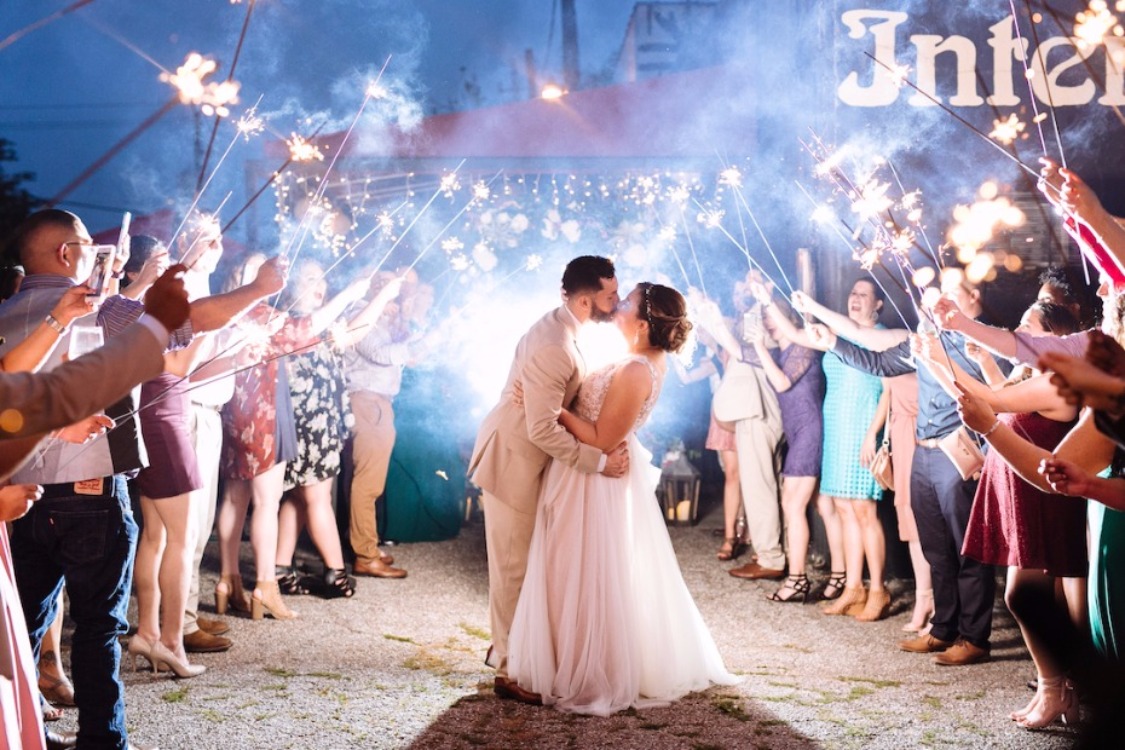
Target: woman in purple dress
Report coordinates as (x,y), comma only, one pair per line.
(794,372)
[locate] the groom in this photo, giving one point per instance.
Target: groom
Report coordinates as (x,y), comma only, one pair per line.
(516,441)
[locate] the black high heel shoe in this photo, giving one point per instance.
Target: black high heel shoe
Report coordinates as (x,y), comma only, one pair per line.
(337,583)
(798,586)
(289,580)
(835,586)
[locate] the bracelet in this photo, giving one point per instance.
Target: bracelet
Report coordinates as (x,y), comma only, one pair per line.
(991,429)
(54,323)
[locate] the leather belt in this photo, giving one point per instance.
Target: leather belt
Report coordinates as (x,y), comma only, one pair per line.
(928,442)
(71,489)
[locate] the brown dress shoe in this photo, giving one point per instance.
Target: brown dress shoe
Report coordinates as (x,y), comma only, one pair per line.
(924,644)
(214,627)
(510,690)
(754,572)
(60,740)
(202,642)
(961,653)
(376,568)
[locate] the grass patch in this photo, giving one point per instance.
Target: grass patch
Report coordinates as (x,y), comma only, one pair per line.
(427,661)
(798,649)
(873,683)
(280,672)
(179,695)
(474,631)
(932,701)
(277,687)
(731,708)
(325,675)
(399,638)
(971,696)
(213,716)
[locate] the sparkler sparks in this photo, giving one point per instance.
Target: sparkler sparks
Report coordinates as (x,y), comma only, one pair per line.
(974,225)
(450,184)
(192,88)
(302,150)
(1094,24)
(711,218)
(481,191)
(731,177)
(899,74)
(1007,131)
(871,200)
(250,125)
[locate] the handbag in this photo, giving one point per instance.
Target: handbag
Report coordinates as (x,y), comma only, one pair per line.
(881,466)
(963,450)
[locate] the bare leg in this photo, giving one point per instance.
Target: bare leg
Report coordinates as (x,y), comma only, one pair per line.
(290,520)
(732,498)
(150,552)
(232,518)
(853,541)
(923,589)
(265,492)
(796,492)
(872,539)
(834,530)
(175,567)
(321,521)
(1030,596)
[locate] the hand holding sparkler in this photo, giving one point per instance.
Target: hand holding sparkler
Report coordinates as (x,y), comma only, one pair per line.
(271,276)
(152,269)
(16,500)
(84,431)
(948,315)
(977,353)
(821,337)
(167,299)
(1067,478)
(1082,383)
(926,346)
(975,412)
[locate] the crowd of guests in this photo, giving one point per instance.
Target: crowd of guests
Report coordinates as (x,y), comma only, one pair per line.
(254,395)
(990,465)
(267,388)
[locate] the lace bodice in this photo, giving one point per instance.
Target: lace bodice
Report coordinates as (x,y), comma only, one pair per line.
(591,395)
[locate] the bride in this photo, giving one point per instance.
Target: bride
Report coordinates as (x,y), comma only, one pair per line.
(604,619)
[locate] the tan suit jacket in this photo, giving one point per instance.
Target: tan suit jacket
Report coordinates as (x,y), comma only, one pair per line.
(35,403)
(515,442)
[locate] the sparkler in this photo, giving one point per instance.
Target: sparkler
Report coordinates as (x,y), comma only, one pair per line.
(191,86)
(713,220)
(115,149)
(17,35)
(963,121)
(765,241)
(1006,131)
(230,76)
(1094,24)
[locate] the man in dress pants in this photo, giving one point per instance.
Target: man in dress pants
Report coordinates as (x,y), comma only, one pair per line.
(516,441)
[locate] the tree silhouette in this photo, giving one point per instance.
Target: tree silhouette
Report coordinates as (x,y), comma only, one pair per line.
(15,201)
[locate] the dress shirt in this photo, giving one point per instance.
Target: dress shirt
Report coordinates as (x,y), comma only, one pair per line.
(1030,348)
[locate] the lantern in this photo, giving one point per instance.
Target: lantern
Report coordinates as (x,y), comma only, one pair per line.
(679,488)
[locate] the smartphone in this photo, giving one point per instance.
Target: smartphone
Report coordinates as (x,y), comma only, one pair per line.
(103,271)
(123,236)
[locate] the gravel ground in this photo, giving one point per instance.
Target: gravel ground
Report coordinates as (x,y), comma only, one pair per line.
(400,666)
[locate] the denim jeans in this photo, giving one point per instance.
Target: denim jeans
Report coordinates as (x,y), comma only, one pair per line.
(88,541)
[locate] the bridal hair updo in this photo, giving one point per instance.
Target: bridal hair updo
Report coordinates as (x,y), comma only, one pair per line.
(665,311)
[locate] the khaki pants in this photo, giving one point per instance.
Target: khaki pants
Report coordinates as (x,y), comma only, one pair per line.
(207,439)
(756,441)
(371,456)
(507,534)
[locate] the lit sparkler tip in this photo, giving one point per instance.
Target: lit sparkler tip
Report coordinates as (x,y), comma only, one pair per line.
(250,124)
(922,277)
(679,195)
(1095,23)
(481,191)
(711,219)
(192,88)
(533,262)
(450,184)
(823,215)
(303,150)
(376,90)
(899,74)
(452,245)
(1006,131)
(731,177)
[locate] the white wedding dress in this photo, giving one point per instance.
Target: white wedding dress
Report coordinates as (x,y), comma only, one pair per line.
(604,620)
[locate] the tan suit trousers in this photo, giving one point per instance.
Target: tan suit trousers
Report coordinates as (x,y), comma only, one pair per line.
(207,439)
(371,457)
(507,534)
(756,441)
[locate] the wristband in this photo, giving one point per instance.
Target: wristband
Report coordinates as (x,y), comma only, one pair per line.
(991,429)
(54,323)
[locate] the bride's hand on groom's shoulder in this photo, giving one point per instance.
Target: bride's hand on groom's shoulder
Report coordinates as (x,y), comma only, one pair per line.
(617,461)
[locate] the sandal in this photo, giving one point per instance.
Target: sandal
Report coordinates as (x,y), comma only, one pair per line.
(56,690)
(338,583)
(289,580)
(732,548)
(835,586)
(798,587)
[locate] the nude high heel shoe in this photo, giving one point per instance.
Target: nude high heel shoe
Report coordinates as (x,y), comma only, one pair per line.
(139,647)
(1057,701)
(229,593)
(923,611)
(180,667)
(878,602)
(848,603)
(267,598)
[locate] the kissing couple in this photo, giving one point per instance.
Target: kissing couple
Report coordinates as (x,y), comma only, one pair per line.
(589,610)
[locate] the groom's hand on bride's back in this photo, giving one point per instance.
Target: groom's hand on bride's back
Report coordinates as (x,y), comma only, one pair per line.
(617,461)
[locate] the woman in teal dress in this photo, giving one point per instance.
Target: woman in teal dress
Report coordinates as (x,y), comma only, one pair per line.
(855,408)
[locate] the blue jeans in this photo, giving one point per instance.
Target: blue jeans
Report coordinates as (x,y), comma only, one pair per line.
(89,541)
